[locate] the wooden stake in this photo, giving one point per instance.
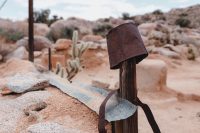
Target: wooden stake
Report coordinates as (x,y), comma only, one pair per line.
(128,90)
(31,32)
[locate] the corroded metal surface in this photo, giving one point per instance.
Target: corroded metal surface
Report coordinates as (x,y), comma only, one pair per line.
(124,42)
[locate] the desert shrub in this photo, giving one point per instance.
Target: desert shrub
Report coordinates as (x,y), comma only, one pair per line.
(125,16)
(102,29)
(183,15)
(43,16)
(158,12)
(183,22)
(191,54)
(66,32)
(10,35)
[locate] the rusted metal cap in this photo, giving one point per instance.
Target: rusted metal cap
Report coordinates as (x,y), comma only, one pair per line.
(124,42)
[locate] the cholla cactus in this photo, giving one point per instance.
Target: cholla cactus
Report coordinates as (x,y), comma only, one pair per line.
(58,68)
(77,50)
(74,64)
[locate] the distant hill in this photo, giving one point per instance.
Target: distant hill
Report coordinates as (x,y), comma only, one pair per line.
(183,15)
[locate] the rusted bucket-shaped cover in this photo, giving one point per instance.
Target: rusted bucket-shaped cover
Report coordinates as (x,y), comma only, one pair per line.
(124,42)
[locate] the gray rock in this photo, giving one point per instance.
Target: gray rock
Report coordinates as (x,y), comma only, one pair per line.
(166,52)
(11,111)
(49,127)
(40,43)
(20,53)
(21,83)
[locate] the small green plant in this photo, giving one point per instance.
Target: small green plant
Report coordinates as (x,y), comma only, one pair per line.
(10,35)
(191,54)
(183,22)
(125,16)
(158,12)
(43,16)
(67,32)
(183,15)
(102,29)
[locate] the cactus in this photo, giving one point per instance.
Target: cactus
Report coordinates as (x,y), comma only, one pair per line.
(77,51)
(74,64)
(58,68)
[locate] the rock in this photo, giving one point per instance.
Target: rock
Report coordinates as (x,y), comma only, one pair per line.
(172,48)
(20,53)
(40,43)
(159,37)
(11,111)
(32,111)
(92,38)
(166,52)
(55,58)
(191,39)
(49,127)
(145,28)
(22,27)
(6,49)
(58,28)
(62,44)
(41,29)
(5,91)
(14,65)
(20,83)
(151,75)
(145,40)
(37,54)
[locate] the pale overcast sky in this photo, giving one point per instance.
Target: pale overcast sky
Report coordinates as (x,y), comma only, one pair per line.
(90,9)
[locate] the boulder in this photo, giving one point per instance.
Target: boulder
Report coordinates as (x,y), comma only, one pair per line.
(6,48)
(11,111)
(14,65)
(41,29)
(37,54)
(92,38)
(151,75)
(22,27)
(20,83)
(60,27)
(166,52)
(191,39)
(20,53)
(49,127)
(145,28)
(62,44)
(55,58)
(40,43)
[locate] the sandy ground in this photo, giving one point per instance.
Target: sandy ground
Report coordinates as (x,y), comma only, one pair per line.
(174,115)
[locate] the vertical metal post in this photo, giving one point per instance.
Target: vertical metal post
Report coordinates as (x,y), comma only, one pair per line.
(50,64)
(31,32)
(128,90)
